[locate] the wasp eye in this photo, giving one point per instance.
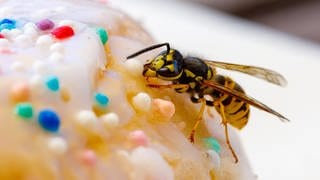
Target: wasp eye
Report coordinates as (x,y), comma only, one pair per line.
(164,71)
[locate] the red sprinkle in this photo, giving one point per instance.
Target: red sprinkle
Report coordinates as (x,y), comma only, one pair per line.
(63,32)
(1,36)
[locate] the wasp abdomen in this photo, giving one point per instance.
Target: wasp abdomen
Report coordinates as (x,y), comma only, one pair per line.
(236,111)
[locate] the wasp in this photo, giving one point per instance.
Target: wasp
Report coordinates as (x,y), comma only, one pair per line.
(200,79)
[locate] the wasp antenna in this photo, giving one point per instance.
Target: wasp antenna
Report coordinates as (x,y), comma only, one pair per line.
(149,49)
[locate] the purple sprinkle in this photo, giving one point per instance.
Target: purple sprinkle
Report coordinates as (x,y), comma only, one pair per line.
(45,24)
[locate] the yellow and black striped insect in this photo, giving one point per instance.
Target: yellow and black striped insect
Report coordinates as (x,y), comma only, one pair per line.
(199,78)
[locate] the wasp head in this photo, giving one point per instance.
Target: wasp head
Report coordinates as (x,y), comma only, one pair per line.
(166,66)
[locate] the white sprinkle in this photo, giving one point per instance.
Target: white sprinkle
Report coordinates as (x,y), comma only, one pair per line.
(29,25)
(17,66)
(4,42)
(110,120)
(134,66)
(214,159)
(44,41)
(148,163)
(39,66)
(86,118)
(31,32)
(23,41)
(57,47)
(56,57)
(58,145)
(142,102)
(14,33)
(35,82)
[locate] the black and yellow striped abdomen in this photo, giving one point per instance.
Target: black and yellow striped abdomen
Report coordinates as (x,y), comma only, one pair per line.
(236,111)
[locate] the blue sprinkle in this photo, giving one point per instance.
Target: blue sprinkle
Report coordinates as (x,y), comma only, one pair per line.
(7,21)
(101,99)
(7,24)
(212,143)
(52,83)
(49,120)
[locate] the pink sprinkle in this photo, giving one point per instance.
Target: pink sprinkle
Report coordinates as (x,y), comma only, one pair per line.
(138,138)
(5,51)
(45,24)
(1,36)
(63,32)
(88,157)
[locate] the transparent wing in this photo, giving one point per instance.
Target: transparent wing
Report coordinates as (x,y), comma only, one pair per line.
(243,97)
(262,73)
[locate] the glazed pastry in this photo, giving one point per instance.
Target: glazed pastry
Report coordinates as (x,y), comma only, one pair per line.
(73,107)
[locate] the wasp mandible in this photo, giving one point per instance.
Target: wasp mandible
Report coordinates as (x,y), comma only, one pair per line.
(199,78)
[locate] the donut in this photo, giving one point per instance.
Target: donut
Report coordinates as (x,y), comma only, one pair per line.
(73,107)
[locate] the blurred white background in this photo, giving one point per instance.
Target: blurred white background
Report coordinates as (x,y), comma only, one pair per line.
(276,150)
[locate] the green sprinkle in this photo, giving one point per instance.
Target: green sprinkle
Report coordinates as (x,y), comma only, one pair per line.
(24,110)
(212,143)
(103,35)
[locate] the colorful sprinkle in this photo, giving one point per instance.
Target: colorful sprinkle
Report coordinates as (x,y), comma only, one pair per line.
(4,42)
(20,92)
(138,138)
(101,99)
(24,110)
(45,24)
(57,145)
(1,36)
(44,41)
(23,41)
(142,102)
(7,24)
(214,158)
(102,33)
(7,21)
(163,109)
(49,120)
(86,118)
(110,120)
(56,57)
(88,157)
(57,47)
(63,32)
(134,66)
(65,95)
(52,83)
(212,143)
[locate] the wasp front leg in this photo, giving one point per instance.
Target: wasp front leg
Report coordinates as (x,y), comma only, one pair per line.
(172,86)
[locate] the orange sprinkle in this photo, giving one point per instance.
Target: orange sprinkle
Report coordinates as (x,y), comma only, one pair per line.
(163,109)
(20,92)
(65,95)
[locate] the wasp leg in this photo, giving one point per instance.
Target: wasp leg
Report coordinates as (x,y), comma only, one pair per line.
(163,86)
(225,123)
(199,118)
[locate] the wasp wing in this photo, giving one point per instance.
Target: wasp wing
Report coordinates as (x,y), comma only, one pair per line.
(262,73)
(243,97)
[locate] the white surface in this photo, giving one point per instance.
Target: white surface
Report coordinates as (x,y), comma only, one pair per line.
(276,150)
